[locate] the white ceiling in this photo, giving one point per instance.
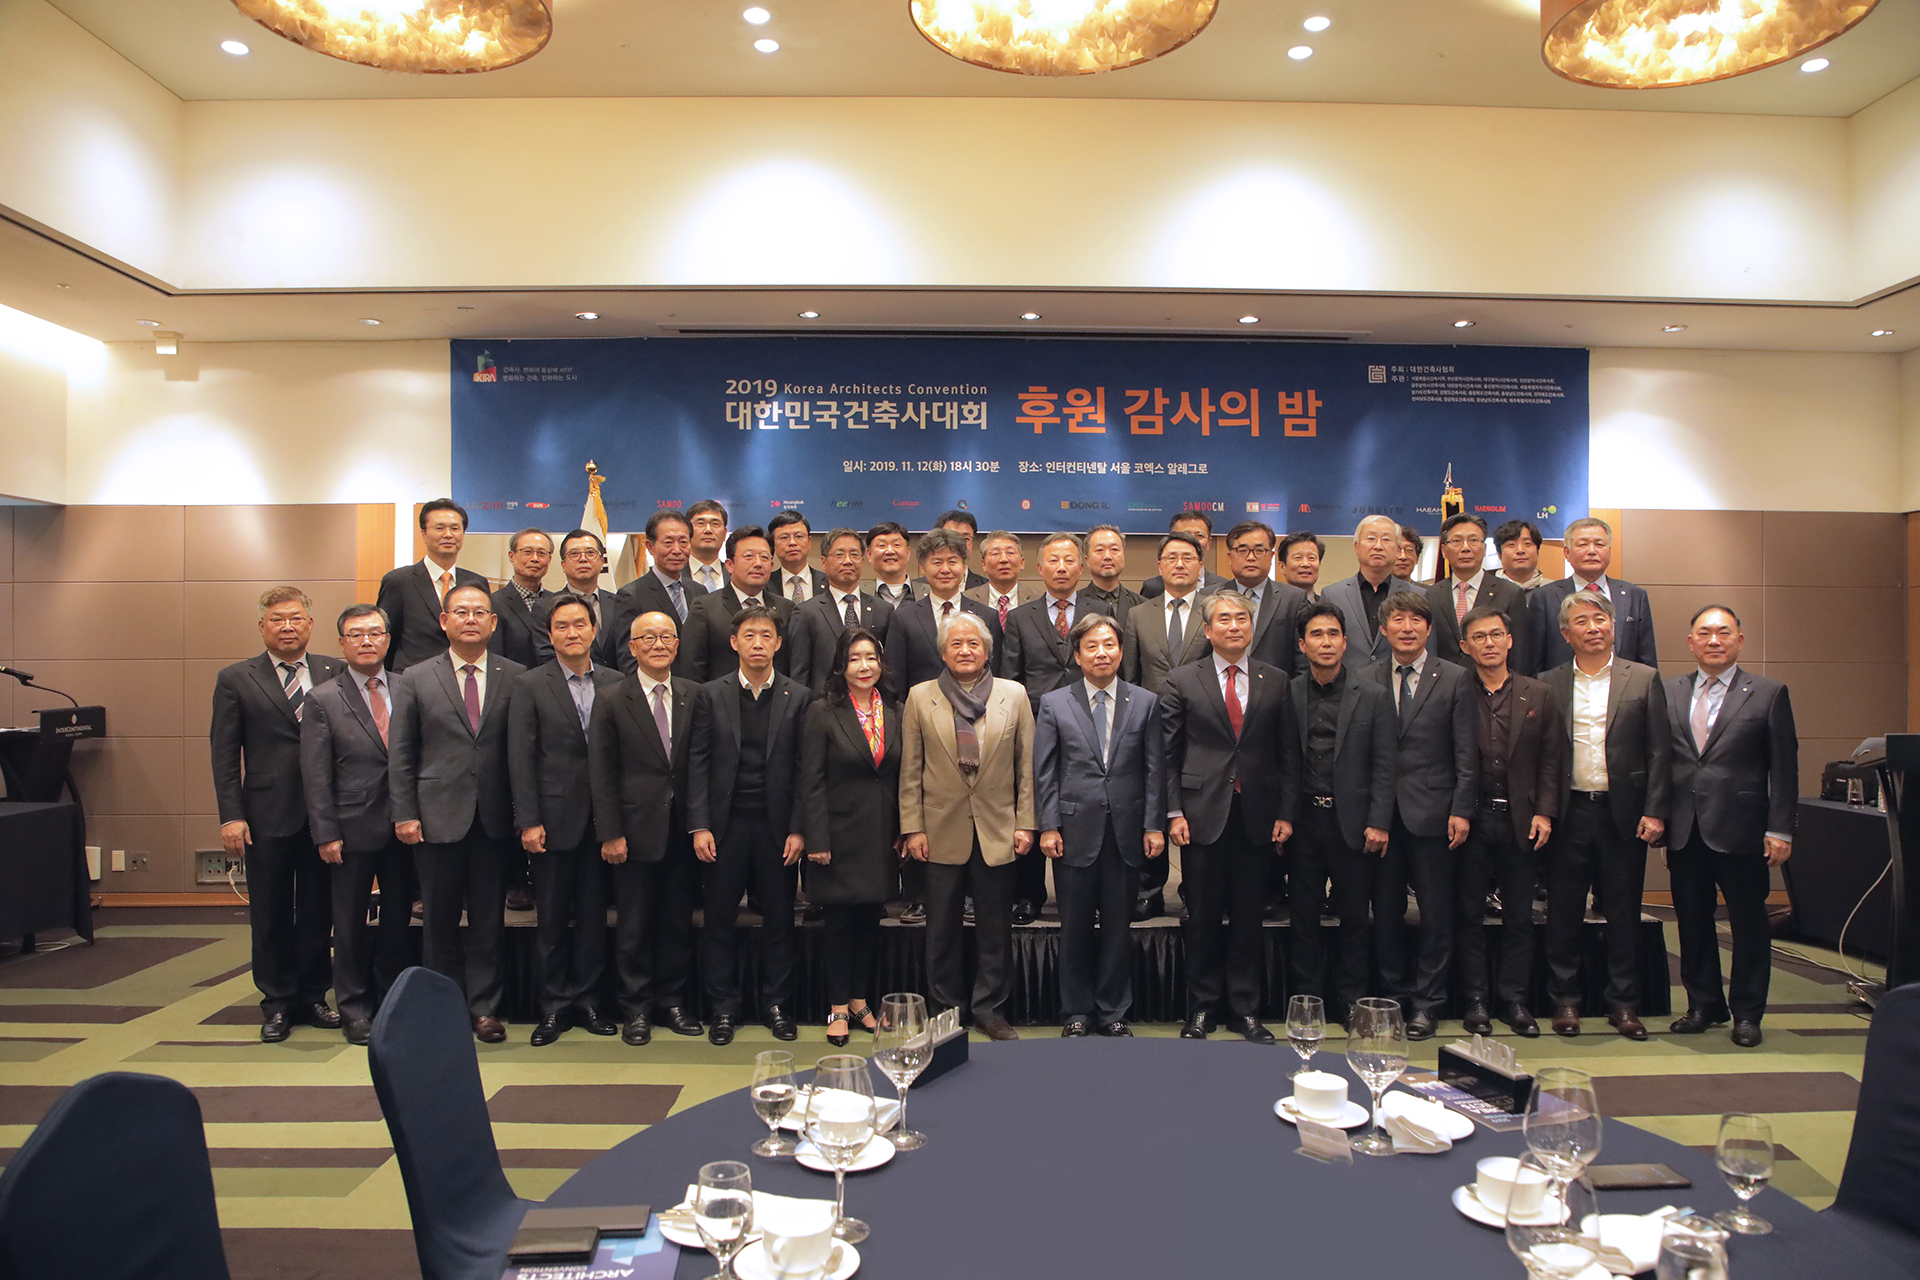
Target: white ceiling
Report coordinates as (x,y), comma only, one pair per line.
(1456,52)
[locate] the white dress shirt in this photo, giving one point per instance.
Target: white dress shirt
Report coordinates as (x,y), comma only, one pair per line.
(1053,610)
(1187,612)
(1590,694)
(1473,583)
(1599,584)
(1413,683)
(709,576)
(840,599)
(303,673)
(433,573)
(804,578)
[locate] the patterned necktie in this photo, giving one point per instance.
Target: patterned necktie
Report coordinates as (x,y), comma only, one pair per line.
(1702,714)
(1004,601)
(1060,622)
(1234,712)
(797,588)
(1406,692)
(581,687)
(378,706)
(1100,723)
(660,720)
(473,697)
(853,615)
(290,685)
(1464,603)
(946,611)
(677,591)
(1175,642)
(1593,587)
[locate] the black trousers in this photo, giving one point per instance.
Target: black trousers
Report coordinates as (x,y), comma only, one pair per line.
(1416,975)
(468,875)
(1321,854)
(570,894)
(749,854)
(1096,981)
(851,936)
(653,929)
(366,963)
(1030,879)
(1588,851)
(1491,856)
(1226,878)
(1696,870)
(290,911)
(1152,878)
(947,891)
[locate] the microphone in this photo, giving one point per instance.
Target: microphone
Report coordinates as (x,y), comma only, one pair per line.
(24,677)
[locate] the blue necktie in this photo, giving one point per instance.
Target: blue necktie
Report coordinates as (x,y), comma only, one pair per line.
(679,594)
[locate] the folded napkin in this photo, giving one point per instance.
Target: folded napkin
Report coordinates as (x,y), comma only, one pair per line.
(763,1201)
(1416,1125)
(1630,1244)
(886,1112)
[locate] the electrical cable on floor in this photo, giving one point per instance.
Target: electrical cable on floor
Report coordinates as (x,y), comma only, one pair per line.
(235,887)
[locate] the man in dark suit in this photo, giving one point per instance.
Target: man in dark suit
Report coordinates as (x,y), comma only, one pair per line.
(637,767)
(1300,556)
(1341,806)
(1465,586)
(343,767)
(530,552)
(1589,546)
(794,581)
(668,587)
(819,623)
(450,800)
(1099,779)
(1736,777)
(1230,766)
(583,558)
(1522,748)
(745,752)
(1376,543)
(1106,560)
(1277,605)
(255,739)
(963,526)
(707,520)
(1167,630)
(1618,791)
(1197,525)
(412,596)
(1436,787)
(913,647)
(708,635)
(552,803)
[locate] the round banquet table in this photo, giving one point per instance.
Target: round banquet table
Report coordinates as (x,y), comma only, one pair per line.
(1138,1157)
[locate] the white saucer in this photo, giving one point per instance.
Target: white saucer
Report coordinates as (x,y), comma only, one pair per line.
(878,1152)
(1352,1116)
(688,1237)
(751,1262)
(1468,1203)
(1459,1126)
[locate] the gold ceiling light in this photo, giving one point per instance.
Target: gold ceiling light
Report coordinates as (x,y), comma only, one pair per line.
(1662,44)
(1059,37)
(421,37)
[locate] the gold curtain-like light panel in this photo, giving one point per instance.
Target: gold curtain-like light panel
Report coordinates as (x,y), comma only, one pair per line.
(421,37)
(1659,44)
(1059,37)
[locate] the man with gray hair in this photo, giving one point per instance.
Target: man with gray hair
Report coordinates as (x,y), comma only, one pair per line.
(967,813)
(1376,544)
(1004,560)
(255,738)
(1589,547)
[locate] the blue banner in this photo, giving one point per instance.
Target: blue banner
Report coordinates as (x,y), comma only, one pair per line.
(1028,435)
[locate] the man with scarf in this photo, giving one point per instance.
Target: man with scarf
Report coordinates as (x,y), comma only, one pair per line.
(966,808)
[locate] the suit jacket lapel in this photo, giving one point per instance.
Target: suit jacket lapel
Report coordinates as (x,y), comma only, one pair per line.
(991,730)
(1085,707)
(942,717)
(846,723)
(428,589)
(1429,676)
(1616,685)
(264,668)
(782,695)
(1516,717)
(1736,694)
(496,690)
(1349,699)
(357,706)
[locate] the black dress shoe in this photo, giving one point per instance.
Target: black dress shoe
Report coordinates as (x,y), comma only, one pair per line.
(1077,1027)
(519,900)
(597,1023)
(721,1032)
(318,1015)
(490,1030)
(679,1020)
(358,1030)
(1628,1024)
(636,1032)
(1251,1028)
(813,913)
(994,1027)
(1520,1018)
(1197,1026)
(1148,907)
(1023,912)
(1422,1025)
(1746,1034)
(1476,1020)
(275,1028)
(548,1030)
(781,1024)
(1116,1029)
(1695,1021)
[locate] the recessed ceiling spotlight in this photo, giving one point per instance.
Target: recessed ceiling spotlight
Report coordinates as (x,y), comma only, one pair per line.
(235,48)
(1317,23)
(1673,328)
(1300,52)
(63,286)
(1815,64)
(586,315)
(151,324)
(1029,315)
(1249,319)
(370,322)
(1881,333)
(767,46)
(809,315)
(1463,324)
(756,15)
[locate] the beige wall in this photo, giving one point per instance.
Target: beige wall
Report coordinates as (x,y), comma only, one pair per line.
(1885,173)
(33,411)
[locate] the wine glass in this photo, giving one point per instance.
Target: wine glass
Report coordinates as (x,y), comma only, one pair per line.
(773,1095)
(1745,1155)
(723,1211)
(840,1125)
(1692,1248)
(1563,1121)
(1377,1051)
(1306,1028)
(902,1049)
(1561,1237)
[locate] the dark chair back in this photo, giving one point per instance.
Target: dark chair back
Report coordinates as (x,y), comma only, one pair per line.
(114,1183)
(427,1076)
(1883,1159)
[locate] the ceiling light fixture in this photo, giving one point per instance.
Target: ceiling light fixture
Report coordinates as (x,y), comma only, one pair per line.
(1463,324)
(63,286)
(151,324)
(1317,23)
(757,16)
(1673,328)
(235,48)
(370,322)
(1249,319)
(1062,38)
(1029,315)
(1881,333)
(1660,44)
(809,315)
(586,315)
(767,46)
(420,37)
(1300,52)
(1815,64)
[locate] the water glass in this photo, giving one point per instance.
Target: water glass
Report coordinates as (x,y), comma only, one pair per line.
(1561,1238)
(1306,1028)
(1692,1248)
(840,1124)
(903,1046)
(1562,1121)
(1745,1156)
(773,1093)
(723,1211)
(1377,1051)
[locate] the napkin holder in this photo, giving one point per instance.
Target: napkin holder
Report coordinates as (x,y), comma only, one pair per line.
(949,1047)
(1506,1088)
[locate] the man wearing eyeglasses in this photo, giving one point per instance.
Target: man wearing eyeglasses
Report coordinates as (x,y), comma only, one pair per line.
(1466,586)
(517,604)
(1277,605)
(583,557)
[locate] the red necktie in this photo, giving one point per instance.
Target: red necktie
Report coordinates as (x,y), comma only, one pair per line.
(1003,613)
(473,698)
(1234,713)
(379,708)
(1060,623)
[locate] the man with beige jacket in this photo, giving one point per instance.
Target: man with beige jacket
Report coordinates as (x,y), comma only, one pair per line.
(966,809)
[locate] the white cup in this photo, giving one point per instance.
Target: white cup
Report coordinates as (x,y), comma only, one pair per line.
(1319,1095)
(797,1236)
(1502,1187)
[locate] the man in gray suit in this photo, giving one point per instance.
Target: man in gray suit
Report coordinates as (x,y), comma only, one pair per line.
(1167,631)
(447,776)
(1376,543)
(1589,545)
(255,738)
(668,587)
(343,765)
(1436,792)
(818,624)
(1465,585)
(1099,777)
(1736,779)
(1617,793)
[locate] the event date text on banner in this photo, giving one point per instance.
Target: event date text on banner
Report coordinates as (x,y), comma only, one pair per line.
(1031,435)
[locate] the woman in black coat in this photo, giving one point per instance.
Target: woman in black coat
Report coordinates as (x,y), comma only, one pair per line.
(849,802)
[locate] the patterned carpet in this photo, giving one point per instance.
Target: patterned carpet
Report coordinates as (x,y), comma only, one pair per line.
(308,1186)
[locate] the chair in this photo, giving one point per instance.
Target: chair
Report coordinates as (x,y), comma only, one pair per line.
(1883,1158)
(114,1184)
(427,1077)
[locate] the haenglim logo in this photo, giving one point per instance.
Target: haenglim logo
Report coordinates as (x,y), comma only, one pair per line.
(1082,506)
(844,503)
